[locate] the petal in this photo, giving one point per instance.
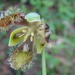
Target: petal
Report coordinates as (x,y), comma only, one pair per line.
(47,32)
(5,22)
(20,56)
(40,43)
(6,19)
(9,17)
(42,36)
(32,17)
(17,36)
(22,21)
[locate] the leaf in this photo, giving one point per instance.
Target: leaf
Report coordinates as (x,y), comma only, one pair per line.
(16,36)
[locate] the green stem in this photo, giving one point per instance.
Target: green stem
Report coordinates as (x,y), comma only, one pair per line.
(18,72)
(43,63)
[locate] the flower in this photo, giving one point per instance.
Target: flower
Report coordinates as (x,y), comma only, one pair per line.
(36,29)
(32,30)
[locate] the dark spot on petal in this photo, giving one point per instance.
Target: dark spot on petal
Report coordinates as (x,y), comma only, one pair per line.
(42,44)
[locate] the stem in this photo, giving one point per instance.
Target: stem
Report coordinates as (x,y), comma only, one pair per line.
(18,72)
(43,63)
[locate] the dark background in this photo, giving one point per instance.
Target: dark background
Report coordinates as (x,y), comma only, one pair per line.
(60,16)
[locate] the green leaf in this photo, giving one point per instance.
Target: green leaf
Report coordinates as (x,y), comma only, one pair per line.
(14,37)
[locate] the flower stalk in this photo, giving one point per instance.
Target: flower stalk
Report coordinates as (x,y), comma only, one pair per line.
(43,63)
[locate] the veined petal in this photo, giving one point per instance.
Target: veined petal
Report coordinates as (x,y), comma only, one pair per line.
(22,55)
(17,36)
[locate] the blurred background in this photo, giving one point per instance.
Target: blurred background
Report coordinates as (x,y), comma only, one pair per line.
(60,16)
